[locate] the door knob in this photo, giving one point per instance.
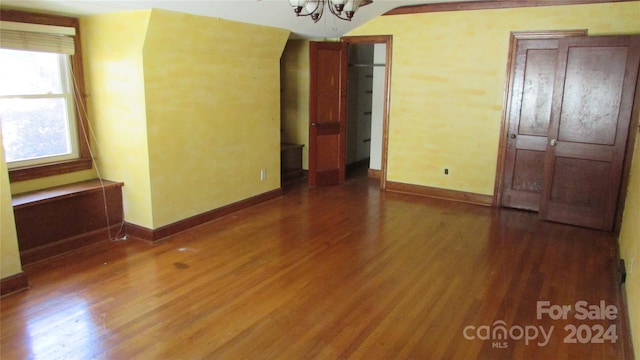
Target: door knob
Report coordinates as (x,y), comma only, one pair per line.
(513,136)
(553,142)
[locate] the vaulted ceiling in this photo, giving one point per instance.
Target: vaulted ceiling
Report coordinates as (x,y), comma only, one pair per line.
(276,13)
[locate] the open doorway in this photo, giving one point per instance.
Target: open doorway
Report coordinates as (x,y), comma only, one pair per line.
(365,96)
(366,109)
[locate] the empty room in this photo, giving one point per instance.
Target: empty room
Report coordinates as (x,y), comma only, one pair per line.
(319,179)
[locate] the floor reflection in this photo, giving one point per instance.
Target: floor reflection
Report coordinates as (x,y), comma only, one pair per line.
(67,332)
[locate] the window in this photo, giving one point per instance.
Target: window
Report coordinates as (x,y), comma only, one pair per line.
(40,79)
(35,102)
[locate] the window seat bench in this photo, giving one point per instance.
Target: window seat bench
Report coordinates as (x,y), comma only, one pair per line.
(54,221)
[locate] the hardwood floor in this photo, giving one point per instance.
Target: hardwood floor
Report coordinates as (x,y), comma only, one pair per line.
(340,272)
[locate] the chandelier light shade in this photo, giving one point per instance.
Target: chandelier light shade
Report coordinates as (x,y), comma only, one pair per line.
(342,9)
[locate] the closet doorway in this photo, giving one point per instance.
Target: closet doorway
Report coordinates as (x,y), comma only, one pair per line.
(365,106)
(566,130)
(368,104)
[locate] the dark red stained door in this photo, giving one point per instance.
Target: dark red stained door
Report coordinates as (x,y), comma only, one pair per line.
(529,113)
(592,101)
(327,113)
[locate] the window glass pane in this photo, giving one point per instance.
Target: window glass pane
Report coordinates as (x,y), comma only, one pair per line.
(29,73)
(34,128)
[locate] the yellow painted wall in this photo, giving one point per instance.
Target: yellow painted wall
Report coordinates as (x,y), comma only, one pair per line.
(212,90)
(186,110)
(630,248)
(447,82)
(19,187)
(114,76)
(295,93)
(9,253)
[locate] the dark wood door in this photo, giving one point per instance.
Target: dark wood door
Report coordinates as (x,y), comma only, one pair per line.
(327,113)
(528,119)
(592,101)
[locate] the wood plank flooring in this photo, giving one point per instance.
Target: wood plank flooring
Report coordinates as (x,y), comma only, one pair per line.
(328,273)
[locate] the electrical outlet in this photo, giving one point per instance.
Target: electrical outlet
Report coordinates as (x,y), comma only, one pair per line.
(446,171)
(263,174)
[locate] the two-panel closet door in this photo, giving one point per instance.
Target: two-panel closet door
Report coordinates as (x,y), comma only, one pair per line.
(588,118)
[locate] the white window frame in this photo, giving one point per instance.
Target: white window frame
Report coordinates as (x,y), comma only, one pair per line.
(66,77)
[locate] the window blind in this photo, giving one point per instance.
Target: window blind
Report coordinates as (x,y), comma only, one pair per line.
(36,37)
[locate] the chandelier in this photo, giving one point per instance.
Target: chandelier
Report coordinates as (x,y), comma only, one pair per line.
(342,9)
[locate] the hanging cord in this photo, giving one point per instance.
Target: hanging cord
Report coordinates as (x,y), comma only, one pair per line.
(87,135)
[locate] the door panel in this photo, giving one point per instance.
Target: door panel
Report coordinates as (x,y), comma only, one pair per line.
(570,187)
(530,110)
(536,97)
(591,110)
(593,87)
(330,146)
(327,113)
(528,171)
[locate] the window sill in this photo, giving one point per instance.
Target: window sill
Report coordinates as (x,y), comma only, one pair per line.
(51,169)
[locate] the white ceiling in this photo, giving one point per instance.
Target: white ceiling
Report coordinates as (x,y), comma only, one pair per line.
(275,13)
